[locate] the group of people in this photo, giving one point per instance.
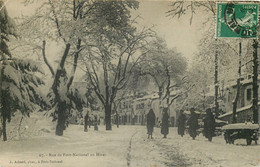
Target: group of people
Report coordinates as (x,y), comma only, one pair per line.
(151,122)
(191,122)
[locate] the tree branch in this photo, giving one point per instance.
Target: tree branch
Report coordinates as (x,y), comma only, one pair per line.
(45,58)
(59,72)
(76,56)
(56,21)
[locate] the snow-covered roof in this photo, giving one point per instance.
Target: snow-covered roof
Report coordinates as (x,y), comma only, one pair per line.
(248,125)
(238,110)
(233,83)
(220,121)
(151,96)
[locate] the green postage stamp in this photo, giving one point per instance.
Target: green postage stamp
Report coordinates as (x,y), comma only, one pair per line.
(237,20)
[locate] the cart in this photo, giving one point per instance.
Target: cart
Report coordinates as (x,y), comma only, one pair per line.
(246,131)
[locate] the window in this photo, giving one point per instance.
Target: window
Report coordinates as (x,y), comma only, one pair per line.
(248,94)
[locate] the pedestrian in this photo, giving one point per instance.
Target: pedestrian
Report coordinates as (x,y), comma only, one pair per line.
(209,125)
(150,118)
(90,122)
(86,122)
(181,123)
(193,123)
(165,123)
(95,123)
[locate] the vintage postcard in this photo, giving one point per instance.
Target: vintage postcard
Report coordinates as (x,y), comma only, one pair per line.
(129,83)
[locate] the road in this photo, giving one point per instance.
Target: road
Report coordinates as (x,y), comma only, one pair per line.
(126,146)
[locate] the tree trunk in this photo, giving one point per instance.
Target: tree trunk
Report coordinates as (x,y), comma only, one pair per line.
(19,128)
(108,117)
(216,81)
(62,117)
(204,100)
(255,85)
(117,119)
(4,128)
(61,108)
(60,124)
(168,92)
(234,119)
(160,101)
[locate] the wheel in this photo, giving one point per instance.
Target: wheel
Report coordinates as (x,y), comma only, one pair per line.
(226,137)
(248,141)
(232,141)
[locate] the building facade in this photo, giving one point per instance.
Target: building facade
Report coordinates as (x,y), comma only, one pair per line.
(133,109)
(244,105)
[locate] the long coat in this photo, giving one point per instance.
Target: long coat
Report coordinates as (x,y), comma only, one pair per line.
(209,125)
(150,122)
(86,122)
(165,124)
(193,124)
(181,124)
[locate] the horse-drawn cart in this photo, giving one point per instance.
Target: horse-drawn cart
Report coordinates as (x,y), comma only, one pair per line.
(246,131)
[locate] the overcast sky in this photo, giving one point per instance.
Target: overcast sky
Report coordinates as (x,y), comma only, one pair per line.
(178,33)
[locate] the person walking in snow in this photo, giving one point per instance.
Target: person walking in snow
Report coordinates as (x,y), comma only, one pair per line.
(181,123)
(150,123)
(209,125)
(96,123)
(193,123)
(86,122)
(165,123)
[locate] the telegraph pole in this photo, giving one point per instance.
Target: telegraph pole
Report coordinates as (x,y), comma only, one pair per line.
(234,118)
(216,80)
(255,85)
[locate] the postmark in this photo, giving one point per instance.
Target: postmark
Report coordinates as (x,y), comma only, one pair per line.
(237,20)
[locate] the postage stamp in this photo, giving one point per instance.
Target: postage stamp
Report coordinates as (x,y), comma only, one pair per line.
(237,20)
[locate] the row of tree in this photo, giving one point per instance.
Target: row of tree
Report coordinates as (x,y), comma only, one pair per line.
(222,60)
(99,37)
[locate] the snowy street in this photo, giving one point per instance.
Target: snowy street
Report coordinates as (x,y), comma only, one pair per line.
(125,146)
(69,64)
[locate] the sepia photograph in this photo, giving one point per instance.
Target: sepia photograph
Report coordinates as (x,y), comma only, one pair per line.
(129,83)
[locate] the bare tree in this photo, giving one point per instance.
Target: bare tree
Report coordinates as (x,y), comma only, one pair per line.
(112,62)
(166,68)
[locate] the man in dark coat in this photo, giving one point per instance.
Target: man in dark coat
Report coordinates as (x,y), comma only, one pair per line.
(86,122)
(95,123)
(181,123)
(165,123)
(150,123)
(193,124)
(209,125)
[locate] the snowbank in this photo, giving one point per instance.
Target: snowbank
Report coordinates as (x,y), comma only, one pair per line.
(126,146)
(23,127)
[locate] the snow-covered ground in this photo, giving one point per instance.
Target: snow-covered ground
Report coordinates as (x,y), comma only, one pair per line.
(121,147)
